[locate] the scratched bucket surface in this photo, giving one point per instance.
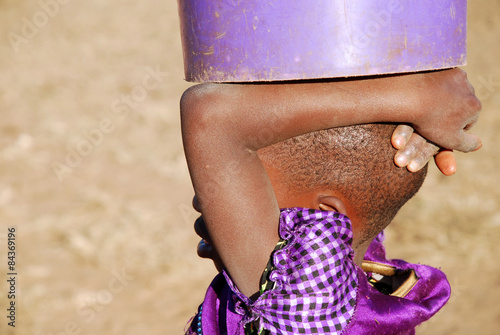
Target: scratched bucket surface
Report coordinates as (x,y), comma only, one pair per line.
(253,40)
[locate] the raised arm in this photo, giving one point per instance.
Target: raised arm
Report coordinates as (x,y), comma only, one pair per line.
(224,125)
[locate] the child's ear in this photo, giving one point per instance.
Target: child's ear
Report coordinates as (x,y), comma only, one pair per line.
(331,203)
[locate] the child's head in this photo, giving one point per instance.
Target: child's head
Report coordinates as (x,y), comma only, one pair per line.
(349,169)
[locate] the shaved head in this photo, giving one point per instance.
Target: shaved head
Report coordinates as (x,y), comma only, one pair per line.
(357,162)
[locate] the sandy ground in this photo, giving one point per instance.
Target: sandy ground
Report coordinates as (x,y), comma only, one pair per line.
(105,244)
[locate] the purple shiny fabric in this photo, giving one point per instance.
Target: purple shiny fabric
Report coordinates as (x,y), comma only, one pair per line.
(226,311)
(377,313)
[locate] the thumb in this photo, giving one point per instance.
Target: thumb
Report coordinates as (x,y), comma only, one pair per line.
(470,142)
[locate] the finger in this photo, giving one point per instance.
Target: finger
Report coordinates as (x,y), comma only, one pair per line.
(196,204)
(473,120)
(405,155)
(205,250)
(470,142)
(422,157)
(446,162)
(464,77)
(401,136)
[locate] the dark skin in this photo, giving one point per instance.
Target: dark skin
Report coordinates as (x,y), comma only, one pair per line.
(323,199)
(414,152)
(234,191)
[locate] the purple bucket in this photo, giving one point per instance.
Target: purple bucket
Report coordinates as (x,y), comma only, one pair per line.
(241,41)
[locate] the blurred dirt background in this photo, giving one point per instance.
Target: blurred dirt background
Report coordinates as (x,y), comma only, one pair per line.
(105,242)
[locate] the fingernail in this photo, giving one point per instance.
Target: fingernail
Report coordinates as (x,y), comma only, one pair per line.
(401,160)
(413,166)
(478,147)
(398,142)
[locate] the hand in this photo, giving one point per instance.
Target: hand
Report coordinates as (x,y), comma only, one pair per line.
(414,152)
(448,108)
(205,248)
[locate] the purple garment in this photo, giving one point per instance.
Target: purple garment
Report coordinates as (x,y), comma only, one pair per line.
(320,290)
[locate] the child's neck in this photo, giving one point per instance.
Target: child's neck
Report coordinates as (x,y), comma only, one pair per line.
(360,251)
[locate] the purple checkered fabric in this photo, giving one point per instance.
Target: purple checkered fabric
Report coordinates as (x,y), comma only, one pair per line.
(315,277)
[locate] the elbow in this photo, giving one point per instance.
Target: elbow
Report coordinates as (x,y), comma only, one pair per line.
(202,112)
(198,104)
(191,103)
(194,97)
